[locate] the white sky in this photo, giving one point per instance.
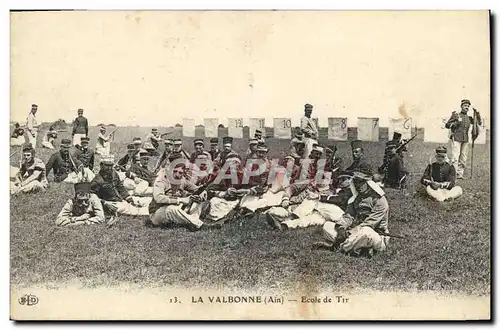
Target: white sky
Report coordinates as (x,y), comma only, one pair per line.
(153,68)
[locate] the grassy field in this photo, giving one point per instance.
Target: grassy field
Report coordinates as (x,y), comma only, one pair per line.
(448,248)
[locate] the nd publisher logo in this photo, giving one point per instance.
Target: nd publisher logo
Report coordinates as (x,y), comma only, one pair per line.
(28,300)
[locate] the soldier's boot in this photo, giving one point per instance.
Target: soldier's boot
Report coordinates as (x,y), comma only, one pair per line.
(321,245)
(275,223)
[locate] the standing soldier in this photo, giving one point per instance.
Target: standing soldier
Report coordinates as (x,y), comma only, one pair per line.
(459,125)
(49,138)
(309,129)
(85,208)
(85,155)
(152,142)
(214,148)
(103,144)
(32,126)
(198,150)
(439,178)
(80,129)
(62,164)
(31,176)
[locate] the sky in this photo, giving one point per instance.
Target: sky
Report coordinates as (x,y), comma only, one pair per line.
(152,68)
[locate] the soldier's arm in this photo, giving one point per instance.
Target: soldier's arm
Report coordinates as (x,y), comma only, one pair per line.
(380,210)
(98,215)
(86,127)
(91,161)
(426,178)
(95,187)
(304,126)
(119,186)
(50,163)
(452,121)
(75,123)
(66,214)
(159,195)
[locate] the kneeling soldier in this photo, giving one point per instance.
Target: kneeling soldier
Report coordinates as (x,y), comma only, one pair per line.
(83,209)
(439,178)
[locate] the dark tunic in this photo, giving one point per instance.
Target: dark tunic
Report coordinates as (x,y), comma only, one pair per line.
(81,126)
(440,173)
(17,133)
(61,166)
(86,158)
(109,189)
(395,171)
(460,129)
(142,172)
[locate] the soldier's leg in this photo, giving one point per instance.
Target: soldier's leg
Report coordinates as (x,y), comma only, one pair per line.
(435,194)
(129,184)
(159,218)
(129,209)
(453,193)
(455,153)
(179,216)
(363,237)
(305,208)
(462,159)
(329,231)
(143,189)
(313,219)
(33,186)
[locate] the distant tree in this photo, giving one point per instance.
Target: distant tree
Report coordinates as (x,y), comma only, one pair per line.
(200,126)
(178,125)
(221,126)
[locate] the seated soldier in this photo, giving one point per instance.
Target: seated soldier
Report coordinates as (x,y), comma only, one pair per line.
(258,136)
(85,155)
(124,163)
(114,197)
(17,137)
(49,138)
(334,164)
(251,151)
(360,230)
(84,208)
(31,176)
(139,179)
(199,146)
(393,170)
(439,178)
(174,201)
(227,148)
(65,167)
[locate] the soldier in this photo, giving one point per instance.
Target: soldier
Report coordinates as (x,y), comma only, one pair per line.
(198,150)
(357,156)
(309,129)
(258,136)
(393,170)
(174,201)
(85,208)
(137,142)
(139,179)
(63,165)
(459,125)
(80,129)
(85,155)
(103,143)
(31,177)
(439,178)
(227,145)
(163,161)
(152,142)
(114,197)
(252,149)
(214,148)
(362,229)
(32,125)
(49,138)
(334,164)
(177,151)
(129,159)
(17,137)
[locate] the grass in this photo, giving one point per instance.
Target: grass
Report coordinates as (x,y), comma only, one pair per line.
(448,248)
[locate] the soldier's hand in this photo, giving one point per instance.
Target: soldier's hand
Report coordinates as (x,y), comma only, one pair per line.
(434,185)
(137,180)
(195,198)
(184,200)
(129,199)
(285,203)
(203,195)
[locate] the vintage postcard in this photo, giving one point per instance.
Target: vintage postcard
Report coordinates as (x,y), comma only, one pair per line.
(250,165)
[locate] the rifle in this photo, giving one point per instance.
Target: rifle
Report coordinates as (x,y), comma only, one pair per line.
(112,132)
(406,143)
(389,235)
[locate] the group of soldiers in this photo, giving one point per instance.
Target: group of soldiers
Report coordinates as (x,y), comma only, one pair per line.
(205,189)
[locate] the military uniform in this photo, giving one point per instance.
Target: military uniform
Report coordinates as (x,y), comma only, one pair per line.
(366,218)
(227,143)
(74,214)
(32,126)
(85,155)
(459,125)
(310,131)
(31,177)
(129,159)
(17,137)
(49,138)
(103,143)
(442,176)
(139,179)
(152,142)
(80,128)
(163,161)
(393,169)
(63,164)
